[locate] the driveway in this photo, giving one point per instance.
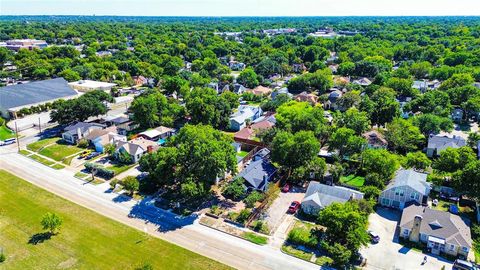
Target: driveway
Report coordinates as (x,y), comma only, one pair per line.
(278,210)
(388,253)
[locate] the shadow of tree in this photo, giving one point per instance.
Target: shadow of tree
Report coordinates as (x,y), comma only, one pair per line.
(39,238)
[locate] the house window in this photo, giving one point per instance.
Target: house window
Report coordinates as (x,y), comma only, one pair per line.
(452,247)
(412,196)
(401,192)
(405,232)
(465,249)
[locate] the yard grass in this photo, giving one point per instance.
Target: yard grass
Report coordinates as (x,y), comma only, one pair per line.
(323,260)
(68,160)
(476,249)
(25,152)
(6,133)
(290,250)
(59,151)
(119,168)
(80,175)
(353,180)
(42,143)
(255,238)
(86,240)
(42,160)
(242,154)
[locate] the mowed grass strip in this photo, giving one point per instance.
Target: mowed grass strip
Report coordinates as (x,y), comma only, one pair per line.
(5,133)
(59,151)
(86,240)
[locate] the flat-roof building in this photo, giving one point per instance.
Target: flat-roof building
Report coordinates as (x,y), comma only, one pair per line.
(88,85)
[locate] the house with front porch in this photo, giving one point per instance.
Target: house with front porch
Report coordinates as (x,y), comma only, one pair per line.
(442,232)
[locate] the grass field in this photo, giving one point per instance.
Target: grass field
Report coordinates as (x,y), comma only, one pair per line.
(5,133)
(86,240)
(42,143)
(119,168)
(242,154)
(352,180)
(59,151)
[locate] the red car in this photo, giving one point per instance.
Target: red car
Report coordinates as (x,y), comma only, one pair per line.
(293,208)
(286,188)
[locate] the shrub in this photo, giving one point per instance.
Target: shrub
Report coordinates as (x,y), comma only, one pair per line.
(243,216)
(215,210)
(302,237)
(113,183)
(130,184)
(2,257)
(103,172)
(235,189)
(82,143)
(260,226)
(252,198)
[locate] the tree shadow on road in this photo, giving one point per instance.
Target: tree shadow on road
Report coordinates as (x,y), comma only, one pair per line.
(39,238)
(122,198)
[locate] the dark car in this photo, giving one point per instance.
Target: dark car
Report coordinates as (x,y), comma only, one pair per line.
(463,265)
(374,236)
(92,155)
(293,208)
(286,188)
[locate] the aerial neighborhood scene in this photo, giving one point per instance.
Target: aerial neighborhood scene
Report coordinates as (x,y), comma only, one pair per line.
(257,135)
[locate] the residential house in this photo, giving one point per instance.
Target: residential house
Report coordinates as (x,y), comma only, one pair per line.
(442,232)
(437,143)
(242,115)
(408,186)
(158,134)
(363,82)
(307,97)
(333,68)
(331,103)
(432,85)
(247,135)
(74,132)
(319,196)
(421,86)
(214,86)
(259,171)
(122,123)
(99,138)
(280,91)
(260,91)
(135,148)
(236,66)
(13,98)
(140,81)
(375,140)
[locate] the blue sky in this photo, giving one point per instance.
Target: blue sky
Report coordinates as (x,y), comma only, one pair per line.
(240,7)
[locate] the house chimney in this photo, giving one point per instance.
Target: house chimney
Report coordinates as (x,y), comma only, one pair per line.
(149,149)
(415,234)
(79,133)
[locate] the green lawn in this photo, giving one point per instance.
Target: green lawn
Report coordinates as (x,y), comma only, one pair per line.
(59,151)
(42,143)
(353,180)
(297,253)
(255,238)
(242,154)
(5,133)
(86,240)
(58,167)
(119,168)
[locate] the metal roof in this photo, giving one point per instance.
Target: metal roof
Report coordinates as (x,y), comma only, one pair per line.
(34,92)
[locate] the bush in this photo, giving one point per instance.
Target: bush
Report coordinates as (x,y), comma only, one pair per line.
(82,143)
(103,172)
(302,237)
(243,216)
(371,192)
(113,183)
(252,198)
(476,231)
(130,184)
(2,257)
(260,226)
(235,189)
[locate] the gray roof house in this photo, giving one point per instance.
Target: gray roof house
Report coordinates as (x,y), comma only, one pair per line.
(76,131)
(16,97)
(319,196)
(407,186)
(259,172)
(437,143)
(443,232)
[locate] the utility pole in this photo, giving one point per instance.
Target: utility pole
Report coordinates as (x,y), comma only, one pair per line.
(16,133)
(39,125)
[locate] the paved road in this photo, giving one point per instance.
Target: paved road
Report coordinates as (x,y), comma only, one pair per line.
(388,253)
(185,232)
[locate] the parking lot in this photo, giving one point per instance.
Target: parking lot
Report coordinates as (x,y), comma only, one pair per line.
(279,207)
(388,254)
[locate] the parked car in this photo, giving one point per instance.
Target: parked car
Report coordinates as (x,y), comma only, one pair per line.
(286,188)
(463,265)
(8,141)
(92,155)
(374,237)
(358,259)
(293,208)
(85,153)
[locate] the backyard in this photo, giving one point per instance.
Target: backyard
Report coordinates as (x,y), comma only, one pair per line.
(86,240)
(353,180)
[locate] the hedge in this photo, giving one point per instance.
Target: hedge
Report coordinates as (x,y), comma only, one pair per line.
(101,171)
